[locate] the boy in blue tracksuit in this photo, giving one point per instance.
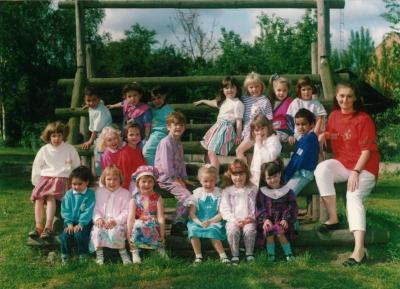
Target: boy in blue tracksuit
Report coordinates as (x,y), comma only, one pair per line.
(300,170)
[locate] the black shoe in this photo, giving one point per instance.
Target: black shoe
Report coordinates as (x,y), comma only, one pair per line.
(352,262)
(34,234)
(179,229)
(325,228)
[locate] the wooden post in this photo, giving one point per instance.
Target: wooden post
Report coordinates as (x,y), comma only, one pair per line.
(323,49)
(80,77)
(314,58)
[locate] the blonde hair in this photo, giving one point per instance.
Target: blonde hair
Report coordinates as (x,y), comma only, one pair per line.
(207,169)
(107,131)
(111,170)
(261,121)
(54,127)
(253,77)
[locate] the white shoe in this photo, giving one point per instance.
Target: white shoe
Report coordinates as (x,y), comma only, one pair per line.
(136,258)
(162,253)
(250,258)
(99,261)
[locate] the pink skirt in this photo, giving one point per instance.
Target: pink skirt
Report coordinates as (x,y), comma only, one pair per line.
(50,186)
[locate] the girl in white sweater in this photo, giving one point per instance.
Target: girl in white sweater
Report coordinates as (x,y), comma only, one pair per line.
(51,168)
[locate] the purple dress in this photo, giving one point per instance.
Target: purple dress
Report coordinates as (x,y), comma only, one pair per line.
(276,205)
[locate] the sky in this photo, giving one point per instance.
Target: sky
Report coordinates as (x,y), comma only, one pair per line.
(356,13)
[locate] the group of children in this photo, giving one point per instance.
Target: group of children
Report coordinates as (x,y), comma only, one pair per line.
(257,201)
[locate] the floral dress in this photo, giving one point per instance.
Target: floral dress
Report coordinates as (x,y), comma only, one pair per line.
(146,230)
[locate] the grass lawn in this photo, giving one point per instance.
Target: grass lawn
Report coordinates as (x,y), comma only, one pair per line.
(314,267)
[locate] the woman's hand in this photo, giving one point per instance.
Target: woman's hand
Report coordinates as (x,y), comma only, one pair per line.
(352,182)
(291,140)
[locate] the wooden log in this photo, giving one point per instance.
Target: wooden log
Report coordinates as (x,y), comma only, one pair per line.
(190,110)
(328,84)
(314,58)
(175,80)
(306,238)
(75,102)
(80,75)
(201,4)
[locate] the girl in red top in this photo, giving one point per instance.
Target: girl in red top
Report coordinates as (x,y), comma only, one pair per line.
(356,160)
(131,156)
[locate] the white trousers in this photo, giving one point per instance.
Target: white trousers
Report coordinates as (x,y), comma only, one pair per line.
(332,171)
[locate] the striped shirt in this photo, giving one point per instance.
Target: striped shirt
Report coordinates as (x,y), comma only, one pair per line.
(253,106)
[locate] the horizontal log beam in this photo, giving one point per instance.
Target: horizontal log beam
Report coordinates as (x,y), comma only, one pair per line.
(201,4)
(187,108)
(174,80)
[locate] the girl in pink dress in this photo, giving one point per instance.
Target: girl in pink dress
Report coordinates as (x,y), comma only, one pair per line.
(109,144)
(50,171)
(110,215)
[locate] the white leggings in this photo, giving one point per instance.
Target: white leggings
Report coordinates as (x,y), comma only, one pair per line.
(332,171)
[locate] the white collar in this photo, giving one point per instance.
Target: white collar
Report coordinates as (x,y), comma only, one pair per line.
(76,193)
(275,193)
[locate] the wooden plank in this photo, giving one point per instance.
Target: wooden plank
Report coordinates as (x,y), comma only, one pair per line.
(202,4)
(175,80)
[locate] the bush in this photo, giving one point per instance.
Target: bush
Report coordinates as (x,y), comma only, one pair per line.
(31,135)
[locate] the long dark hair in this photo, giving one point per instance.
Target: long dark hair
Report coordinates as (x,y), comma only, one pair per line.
(357,105)
(227,81)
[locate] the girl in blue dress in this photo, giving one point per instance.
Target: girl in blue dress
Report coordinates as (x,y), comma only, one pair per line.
(205,220)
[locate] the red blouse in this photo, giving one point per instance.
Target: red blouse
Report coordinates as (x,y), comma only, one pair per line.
(350,134)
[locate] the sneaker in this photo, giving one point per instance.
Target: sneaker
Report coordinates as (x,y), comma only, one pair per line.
(179,229)
(126,260)
(136,258)
(225,261)
(163,254)
(289,258)
(235,261)
(250,258)
(34,234)
(46,234)
(100,261)
(271,258)
(197,261)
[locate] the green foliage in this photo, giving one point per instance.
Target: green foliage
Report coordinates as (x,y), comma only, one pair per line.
(37,46)
(393,13)
(358,55)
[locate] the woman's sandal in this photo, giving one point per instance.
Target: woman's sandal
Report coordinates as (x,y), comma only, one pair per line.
(325,228)
(353,262)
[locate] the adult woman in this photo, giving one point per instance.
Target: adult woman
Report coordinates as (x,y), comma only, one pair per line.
(356,160)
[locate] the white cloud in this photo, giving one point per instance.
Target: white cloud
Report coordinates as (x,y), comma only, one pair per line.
(357,13)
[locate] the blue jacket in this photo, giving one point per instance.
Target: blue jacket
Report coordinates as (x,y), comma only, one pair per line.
(78,208)
(305,157)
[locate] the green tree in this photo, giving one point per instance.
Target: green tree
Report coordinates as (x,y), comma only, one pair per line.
(37,46)
(358,55)
(393,13)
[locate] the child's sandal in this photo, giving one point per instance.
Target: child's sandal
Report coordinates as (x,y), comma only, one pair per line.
(46,234)
(34,234)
